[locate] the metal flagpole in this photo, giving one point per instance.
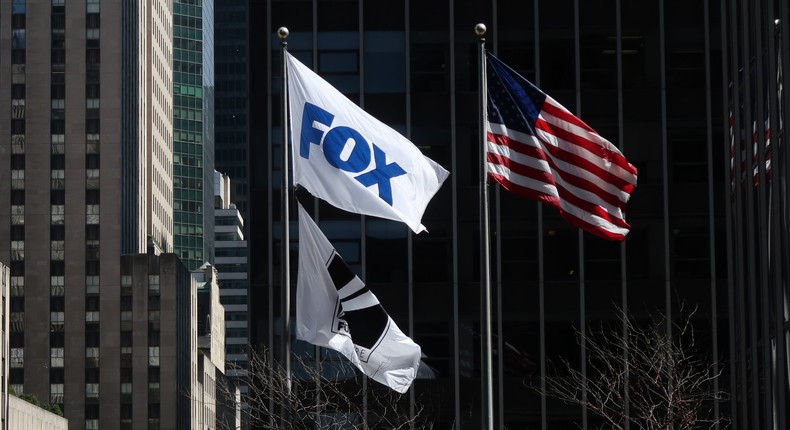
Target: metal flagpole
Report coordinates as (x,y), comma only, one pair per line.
(485,245)
(285,219)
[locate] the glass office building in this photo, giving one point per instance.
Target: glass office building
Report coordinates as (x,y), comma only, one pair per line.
(232,97)
(651,78)
(756,53)
(193,131)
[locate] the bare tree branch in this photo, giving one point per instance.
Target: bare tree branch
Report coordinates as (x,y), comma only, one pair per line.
(323,395)
(667,381)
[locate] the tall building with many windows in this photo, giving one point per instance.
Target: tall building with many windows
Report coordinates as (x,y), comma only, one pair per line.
(158,380)
(231,63)
(86,175)
(232,265)
(755,59)
(653,79)
(4,350)
(193,130)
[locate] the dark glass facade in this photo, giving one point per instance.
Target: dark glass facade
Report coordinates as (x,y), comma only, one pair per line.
(193,131)
(650,77)
(757,51)
(231,97)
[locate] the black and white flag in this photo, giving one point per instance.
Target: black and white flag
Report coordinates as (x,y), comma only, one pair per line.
(333,304)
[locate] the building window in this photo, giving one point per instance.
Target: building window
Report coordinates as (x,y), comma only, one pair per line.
(92,6)
(17,320)
(18,39)
(18,109)
(92,126)
(18,7)
(18,73)
(17,286)
(56,320)
(153,416)
(91,214)
(58,250)
(92,143)
(18,144)
(56,357)
(153,390)
(17,179)
(58,143)
(92,338)
(92,316)
(58,179)
(92,284)
(92,391)
(58,214)
(92,357)
(56,393)
(17,357)
(58,56)
(92,250)
(18,214)
(57,268)
(92,56)
(153,283)
(153,356)
(92,179)
(57,285)
(17,250)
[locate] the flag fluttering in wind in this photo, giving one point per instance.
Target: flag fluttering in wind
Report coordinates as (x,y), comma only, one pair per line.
(538,149)
(343,155)
(334,309)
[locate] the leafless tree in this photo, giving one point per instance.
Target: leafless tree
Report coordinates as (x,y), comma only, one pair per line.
(323,394)
(639,374)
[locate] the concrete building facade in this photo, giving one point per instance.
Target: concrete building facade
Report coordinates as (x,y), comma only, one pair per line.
(86,156)
(4,350)
(232,263)
(158,337)
(23,415)
(211,348)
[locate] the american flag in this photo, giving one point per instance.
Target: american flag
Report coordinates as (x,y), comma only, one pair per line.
(538,149)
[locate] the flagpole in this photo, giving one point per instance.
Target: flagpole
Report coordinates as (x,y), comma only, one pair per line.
(285,219)
(485,244)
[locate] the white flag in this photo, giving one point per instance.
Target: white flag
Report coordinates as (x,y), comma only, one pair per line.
(332,305)
(355,162)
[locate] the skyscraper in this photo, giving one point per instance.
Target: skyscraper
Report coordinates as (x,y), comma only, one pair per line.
(648,77)
(232,264)
(193,130)
(755,52)
(4,351)
(87,175)
(231,63)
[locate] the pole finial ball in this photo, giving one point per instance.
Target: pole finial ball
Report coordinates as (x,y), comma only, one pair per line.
(480,30)
(282,32)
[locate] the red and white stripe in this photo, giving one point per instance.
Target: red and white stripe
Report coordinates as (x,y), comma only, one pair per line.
(566,165)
